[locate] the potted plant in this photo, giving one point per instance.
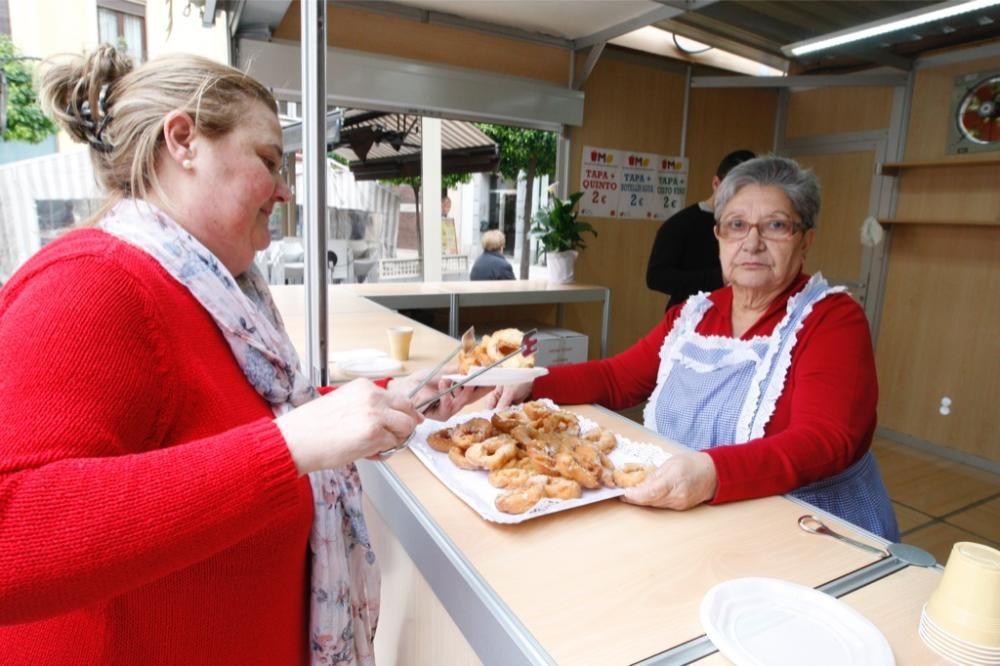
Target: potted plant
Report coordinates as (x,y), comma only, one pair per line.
(561,235)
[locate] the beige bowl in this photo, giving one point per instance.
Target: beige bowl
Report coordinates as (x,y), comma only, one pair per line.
(966,603)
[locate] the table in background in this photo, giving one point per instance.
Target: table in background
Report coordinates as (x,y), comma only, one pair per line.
(454,295)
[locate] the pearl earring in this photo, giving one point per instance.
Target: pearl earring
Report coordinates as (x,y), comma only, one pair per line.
(187,164)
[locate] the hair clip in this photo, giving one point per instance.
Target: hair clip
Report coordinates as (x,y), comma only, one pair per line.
(94,132)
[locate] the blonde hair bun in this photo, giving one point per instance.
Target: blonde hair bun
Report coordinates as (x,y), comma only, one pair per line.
(77,91)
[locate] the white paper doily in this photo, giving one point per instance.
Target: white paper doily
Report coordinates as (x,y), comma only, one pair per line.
(475,490)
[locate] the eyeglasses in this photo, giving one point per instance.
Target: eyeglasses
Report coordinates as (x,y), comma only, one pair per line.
(776,229)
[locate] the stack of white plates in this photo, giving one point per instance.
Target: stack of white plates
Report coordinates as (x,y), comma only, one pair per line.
(954,648)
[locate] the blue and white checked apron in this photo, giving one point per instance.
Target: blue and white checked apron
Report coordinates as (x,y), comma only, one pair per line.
(714,391)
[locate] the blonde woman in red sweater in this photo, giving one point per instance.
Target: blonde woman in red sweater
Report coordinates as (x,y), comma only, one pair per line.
(167,474)
(770,380)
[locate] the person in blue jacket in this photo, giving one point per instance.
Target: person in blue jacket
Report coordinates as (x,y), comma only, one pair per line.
(491,264)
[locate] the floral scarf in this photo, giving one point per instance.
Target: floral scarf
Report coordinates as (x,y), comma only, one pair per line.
(344,603)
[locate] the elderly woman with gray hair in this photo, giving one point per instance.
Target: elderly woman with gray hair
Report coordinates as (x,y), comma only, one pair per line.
(770,381)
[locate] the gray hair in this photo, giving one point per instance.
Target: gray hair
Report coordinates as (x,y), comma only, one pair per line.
(799,185)
(494,240)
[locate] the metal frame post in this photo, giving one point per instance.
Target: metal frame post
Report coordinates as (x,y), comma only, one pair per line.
(314,172)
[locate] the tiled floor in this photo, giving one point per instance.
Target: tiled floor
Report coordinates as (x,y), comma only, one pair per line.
(937,501)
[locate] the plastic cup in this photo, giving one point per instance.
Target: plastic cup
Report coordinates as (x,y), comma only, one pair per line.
(399,342)
(966,603)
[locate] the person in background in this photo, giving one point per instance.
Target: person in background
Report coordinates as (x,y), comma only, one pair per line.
(491,264)
(770,381)
(685,255)
(165,466)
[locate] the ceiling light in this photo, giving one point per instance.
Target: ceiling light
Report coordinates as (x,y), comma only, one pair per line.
(890,24)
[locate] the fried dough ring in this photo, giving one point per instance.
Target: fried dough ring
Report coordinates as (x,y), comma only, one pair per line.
(510,477)
(508,420)
(441,440)
(564,489)
(605,440)
(492,453)
(520,499)
(535,410)
(560,422)
(631,474)
(503,342)
(570,468)
(523,434)
(472,432)
(457,456)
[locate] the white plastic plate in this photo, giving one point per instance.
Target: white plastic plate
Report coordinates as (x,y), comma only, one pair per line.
(379,366)
(356,355)
(502,376)
(770,622)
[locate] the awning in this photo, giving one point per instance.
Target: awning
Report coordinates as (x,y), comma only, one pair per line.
(382,145)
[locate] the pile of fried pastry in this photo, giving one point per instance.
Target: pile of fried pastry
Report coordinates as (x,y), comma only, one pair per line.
(536,452)
(493,348)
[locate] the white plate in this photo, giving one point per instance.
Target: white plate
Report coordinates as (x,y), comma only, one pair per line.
(356,355)
(770,622)
(502,376)
(379,366)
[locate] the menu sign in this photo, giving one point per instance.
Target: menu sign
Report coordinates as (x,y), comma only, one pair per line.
(637,199)
(631,185)
(601,176)
(671,186)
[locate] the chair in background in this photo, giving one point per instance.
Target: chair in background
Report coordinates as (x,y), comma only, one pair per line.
(342,269)
(292,254)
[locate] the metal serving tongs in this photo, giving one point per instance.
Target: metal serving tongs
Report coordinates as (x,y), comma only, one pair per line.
(528,345)
(467,344)
(903,551)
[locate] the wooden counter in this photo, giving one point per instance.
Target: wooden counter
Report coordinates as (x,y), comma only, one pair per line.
(608,583)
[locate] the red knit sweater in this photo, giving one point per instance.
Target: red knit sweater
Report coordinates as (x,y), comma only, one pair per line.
(150,512)
(822,422)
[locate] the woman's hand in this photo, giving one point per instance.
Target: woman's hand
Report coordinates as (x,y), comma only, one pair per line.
(683,481)
(357,420)
(503,397)
(448,404)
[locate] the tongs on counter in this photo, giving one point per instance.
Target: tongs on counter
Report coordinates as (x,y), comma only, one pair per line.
(528,345)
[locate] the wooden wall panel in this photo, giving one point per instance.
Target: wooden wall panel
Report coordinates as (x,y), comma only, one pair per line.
(634,107)
(629,107)
(950,194)
(938,332)
(405,38)
(845,182)
(835,110)
(720,121)
(938,337)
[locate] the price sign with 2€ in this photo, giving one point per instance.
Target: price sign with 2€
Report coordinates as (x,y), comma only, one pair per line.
(671,186)
(600,178)
(638,189)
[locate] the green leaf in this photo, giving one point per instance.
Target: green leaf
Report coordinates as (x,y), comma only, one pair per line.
(557,227)
(25,120)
